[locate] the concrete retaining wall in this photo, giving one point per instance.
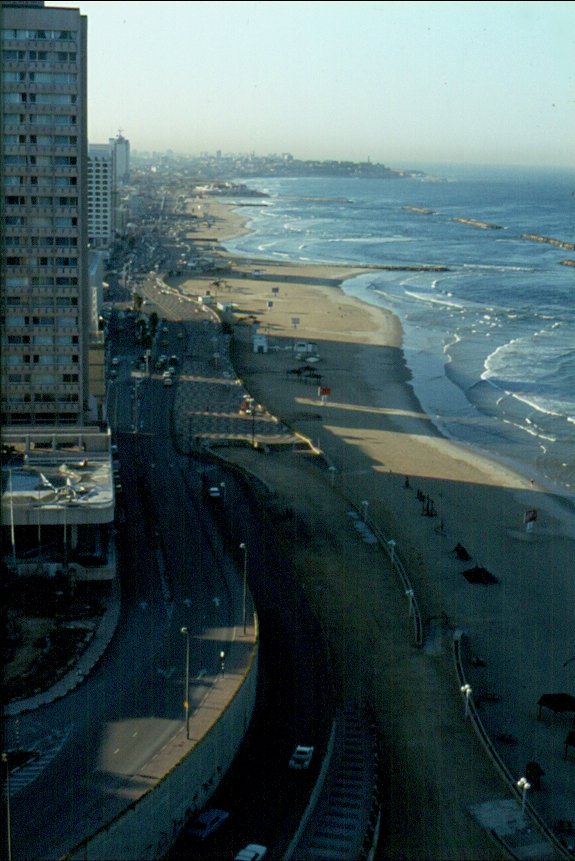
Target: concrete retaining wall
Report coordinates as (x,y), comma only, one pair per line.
(150,825)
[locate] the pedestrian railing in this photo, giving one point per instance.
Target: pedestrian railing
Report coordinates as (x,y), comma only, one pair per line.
(485,740)
(389,545)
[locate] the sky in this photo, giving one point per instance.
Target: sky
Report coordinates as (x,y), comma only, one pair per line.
(398,83)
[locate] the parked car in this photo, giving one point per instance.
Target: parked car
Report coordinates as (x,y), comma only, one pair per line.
(207,822)
(252,852)
(301,757)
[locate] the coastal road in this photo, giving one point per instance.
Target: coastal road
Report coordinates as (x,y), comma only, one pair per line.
(132,705)
(120,718)
(294,704)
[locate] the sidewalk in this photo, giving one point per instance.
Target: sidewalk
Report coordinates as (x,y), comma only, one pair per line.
(424,729)
(211,404)
(208,407)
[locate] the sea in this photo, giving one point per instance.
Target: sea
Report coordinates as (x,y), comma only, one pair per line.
(489,334)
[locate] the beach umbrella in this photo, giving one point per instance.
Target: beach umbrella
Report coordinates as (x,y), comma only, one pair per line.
(556,702)
(461,552)
(480,575)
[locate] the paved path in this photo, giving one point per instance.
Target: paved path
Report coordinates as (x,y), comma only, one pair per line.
(208,396)
(206,406)
(211,404)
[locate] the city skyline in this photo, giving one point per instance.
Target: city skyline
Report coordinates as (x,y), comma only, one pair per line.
(401,83)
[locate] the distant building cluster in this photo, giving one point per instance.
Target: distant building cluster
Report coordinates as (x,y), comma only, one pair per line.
(249,165)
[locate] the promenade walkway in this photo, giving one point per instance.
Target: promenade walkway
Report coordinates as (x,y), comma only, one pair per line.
(444,768)
(207,404)
(211,405)
(208,397)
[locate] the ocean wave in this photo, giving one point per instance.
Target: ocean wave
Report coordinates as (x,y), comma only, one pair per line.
(433,300)
(499,325)
(540,404)
(532,431)
(496,267)
(369,240)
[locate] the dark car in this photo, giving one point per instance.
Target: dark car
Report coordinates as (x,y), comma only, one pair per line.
(207,822)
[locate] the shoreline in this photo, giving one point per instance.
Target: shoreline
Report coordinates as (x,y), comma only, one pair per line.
(462,365)
(386,456)
(384,328)
(525,467)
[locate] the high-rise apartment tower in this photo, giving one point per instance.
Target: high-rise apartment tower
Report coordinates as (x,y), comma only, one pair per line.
(45,303)
(101,196)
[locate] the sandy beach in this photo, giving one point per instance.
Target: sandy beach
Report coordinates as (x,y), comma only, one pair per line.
(429,494)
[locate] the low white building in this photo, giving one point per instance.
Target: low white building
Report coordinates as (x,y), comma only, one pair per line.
(58,503)
(260,343)
(305,347)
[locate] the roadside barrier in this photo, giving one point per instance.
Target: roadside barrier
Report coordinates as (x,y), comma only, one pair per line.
(504,772)
(389,545)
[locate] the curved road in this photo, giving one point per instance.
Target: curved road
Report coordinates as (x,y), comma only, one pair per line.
(107,731)
(132,705)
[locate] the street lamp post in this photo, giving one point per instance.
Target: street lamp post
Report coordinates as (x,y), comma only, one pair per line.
(8,813)
(523,784)
(466,690)
(12,528)
(190,419)
(186,633)
(244,547)
(65,536)
(410,596)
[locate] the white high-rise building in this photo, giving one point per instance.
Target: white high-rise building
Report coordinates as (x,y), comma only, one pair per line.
(101,196)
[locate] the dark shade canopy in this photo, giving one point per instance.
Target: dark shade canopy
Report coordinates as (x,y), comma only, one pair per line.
(557,702)
(461,552)
(477,574)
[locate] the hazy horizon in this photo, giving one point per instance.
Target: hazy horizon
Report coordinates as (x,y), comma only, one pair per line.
(392,82)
